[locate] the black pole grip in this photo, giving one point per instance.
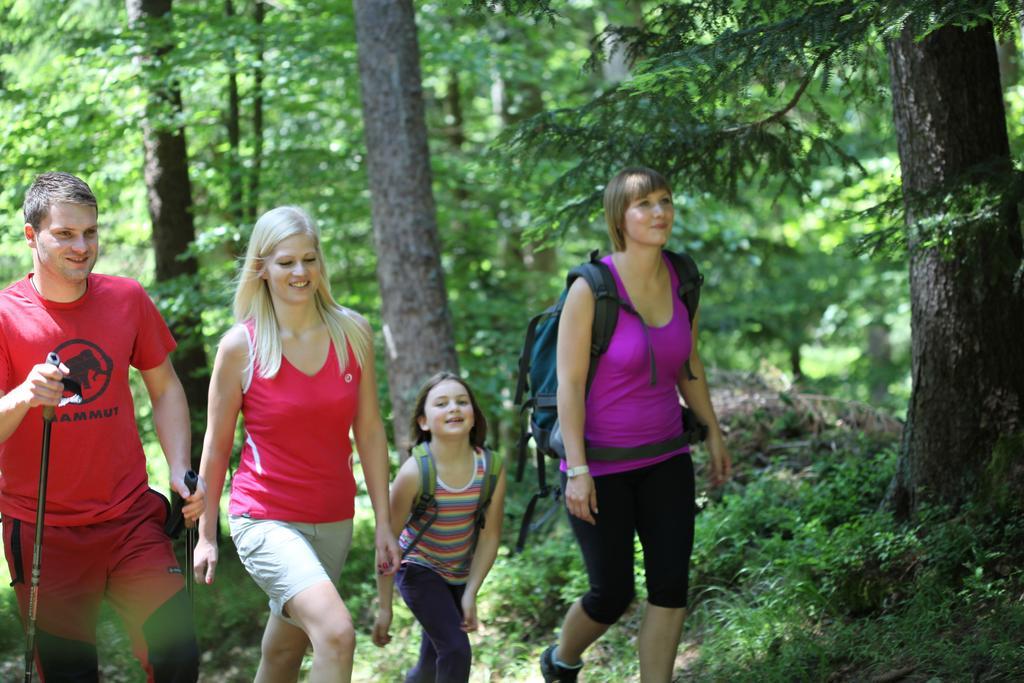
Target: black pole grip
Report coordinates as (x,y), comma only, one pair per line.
(191,481)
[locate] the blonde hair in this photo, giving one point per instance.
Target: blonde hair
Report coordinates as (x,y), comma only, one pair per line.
(627,185)
(252,296)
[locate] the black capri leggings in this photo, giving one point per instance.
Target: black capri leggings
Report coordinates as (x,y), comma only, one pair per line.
(656,502)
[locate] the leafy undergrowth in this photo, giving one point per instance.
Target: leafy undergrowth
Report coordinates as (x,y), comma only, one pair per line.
(800,577)
(797,575)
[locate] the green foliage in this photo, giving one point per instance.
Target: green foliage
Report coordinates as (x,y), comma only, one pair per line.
(11,632)
(548,573)
(785,508)
(769,286)
(230,614)
(772,177)
(770,118)
(801,577)
(753,98)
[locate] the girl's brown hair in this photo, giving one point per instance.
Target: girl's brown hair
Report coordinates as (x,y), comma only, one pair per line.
(477,435)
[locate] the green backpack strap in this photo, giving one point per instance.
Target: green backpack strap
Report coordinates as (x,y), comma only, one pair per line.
(425,498)
(428,480)
(493,462)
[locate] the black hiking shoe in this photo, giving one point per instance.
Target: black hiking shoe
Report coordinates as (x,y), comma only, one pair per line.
(554,672)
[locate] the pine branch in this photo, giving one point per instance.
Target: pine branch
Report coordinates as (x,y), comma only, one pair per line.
(789,106)
(701,105)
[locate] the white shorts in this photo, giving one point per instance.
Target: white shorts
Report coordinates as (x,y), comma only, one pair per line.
(285,558)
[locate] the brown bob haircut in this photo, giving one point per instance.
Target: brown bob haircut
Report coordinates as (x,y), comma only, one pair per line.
(477,435)
(623,188)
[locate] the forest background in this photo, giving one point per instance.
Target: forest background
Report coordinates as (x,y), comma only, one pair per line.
(840,170)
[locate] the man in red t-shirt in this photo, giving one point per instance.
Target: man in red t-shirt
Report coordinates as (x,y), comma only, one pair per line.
(104,527)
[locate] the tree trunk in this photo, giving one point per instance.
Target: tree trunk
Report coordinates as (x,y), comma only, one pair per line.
(967,311)
(455,129)
(170,207)
(456,134)
(234,129)
(417,325)
(880,357)
(795,362)
(258,15)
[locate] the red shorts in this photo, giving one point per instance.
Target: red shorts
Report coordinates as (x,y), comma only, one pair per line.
(128,560)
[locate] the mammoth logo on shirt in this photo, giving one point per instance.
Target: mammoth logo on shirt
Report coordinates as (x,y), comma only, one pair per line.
(88,365)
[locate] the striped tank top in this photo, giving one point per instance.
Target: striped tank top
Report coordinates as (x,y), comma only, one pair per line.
(447,545)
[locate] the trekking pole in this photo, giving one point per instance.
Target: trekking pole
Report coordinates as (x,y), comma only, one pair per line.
(49,413)
(191,536)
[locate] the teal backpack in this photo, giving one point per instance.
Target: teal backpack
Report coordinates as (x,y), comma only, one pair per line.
(425,499)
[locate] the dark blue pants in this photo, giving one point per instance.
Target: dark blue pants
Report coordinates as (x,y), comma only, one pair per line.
(445,654)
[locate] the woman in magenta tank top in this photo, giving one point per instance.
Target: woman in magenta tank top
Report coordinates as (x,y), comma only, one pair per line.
(299,369)
(633,400)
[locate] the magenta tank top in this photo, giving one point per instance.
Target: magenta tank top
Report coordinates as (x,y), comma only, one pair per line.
(623,408)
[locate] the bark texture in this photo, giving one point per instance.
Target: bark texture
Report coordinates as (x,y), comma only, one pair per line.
(234,129)
(418,339)
(967,303)
(259,13)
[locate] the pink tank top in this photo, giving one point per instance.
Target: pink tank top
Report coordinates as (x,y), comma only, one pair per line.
(296,463)
(624,409)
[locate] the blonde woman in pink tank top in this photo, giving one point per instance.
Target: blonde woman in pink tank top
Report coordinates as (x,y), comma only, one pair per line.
(299,369)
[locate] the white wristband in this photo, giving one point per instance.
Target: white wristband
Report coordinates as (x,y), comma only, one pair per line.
(577,471)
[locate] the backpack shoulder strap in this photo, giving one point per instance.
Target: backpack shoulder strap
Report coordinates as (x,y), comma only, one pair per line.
(428,481)
(493,462)
(606,306)
(690,282)
(425,498)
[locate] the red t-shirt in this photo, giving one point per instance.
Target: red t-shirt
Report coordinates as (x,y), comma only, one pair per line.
(97,465)
(296,463)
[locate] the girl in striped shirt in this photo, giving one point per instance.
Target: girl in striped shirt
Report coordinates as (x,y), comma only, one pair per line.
(443,570)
